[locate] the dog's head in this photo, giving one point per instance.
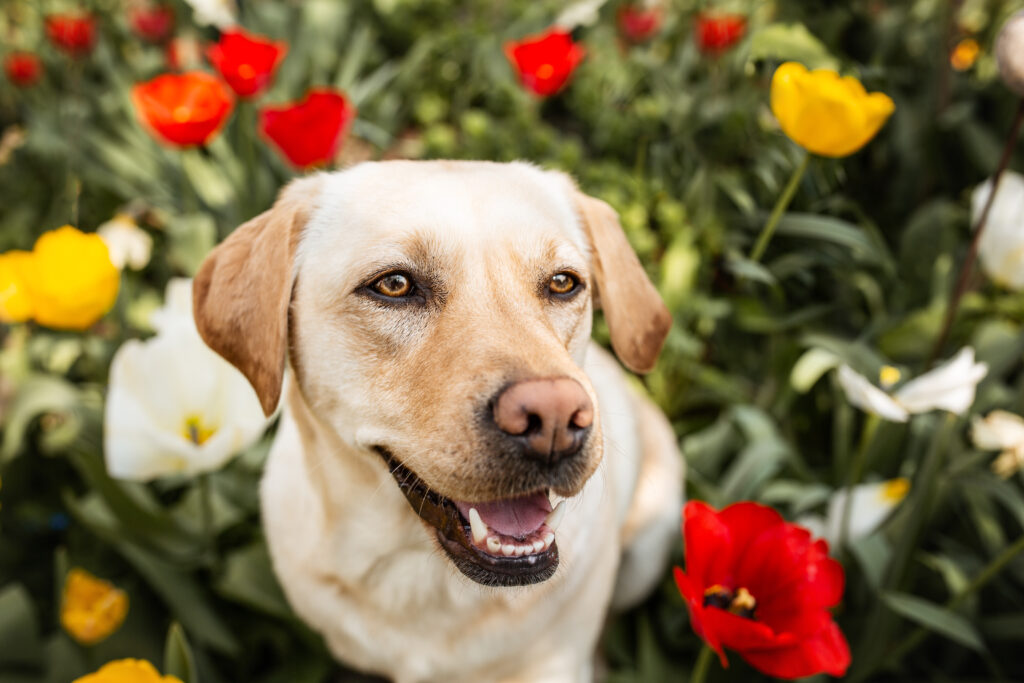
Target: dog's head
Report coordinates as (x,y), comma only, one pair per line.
(435,315)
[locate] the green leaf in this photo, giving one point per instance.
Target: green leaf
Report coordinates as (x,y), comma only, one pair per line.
(791,42)
(19,628)
(211,184)
(178,659)
(191,237)
(248,578)
(37,396)
(935,618)
(829,229)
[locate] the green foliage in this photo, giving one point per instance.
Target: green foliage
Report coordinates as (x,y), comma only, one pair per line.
(684,147)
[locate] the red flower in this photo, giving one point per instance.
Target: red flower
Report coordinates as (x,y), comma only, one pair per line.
(75,34)
(716,33)
(184,110)
(759,585)
(152,22)
(246,61)
(637,23)
(22,68)
(546,61)
(309,132)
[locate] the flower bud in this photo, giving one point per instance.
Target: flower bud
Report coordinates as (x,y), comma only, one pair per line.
(1010,53)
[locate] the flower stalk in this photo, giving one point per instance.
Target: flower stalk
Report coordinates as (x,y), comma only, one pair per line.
(703,664)
(963,279)
(984,576)
(780,207)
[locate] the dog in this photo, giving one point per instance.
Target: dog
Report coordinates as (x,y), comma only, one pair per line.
(462,483)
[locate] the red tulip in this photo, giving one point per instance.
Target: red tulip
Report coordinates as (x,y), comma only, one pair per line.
(716,33)
(760,586)
(246,61)
(183,109)
(153,22)
(546,61)
(22,68)
(309,132)
(637,23)
(75,34)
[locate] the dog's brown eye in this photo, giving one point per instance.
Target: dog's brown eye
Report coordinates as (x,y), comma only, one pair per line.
(562,283)
(393,285)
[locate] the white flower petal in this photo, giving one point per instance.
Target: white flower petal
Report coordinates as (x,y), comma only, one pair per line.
(866,396)
(177,308)
(128,244)
(869,507)
(950,386)
(158,388)
(220,13)
(580,13)
(999,430)
(1001,247)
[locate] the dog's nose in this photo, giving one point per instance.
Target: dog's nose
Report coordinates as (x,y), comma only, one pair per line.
(550,417)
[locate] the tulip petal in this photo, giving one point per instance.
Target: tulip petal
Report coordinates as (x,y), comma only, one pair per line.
(950,386)
(999,430)
(826,651)
(1001,245)
(708,544)
(866,396)
(869,507)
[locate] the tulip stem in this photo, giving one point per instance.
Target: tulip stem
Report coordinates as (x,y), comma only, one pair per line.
(855,473)
(206,512)
(984,576)
(780,207)
(700,669)
(972,253)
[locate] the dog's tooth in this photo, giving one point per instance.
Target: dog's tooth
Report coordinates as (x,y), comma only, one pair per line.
(538,546)
(520,550)
(508,549)
(555,516)
(476,524)
(549,538)
(493,545)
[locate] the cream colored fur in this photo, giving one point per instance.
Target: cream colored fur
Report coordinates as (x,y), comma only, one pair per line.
(354,559)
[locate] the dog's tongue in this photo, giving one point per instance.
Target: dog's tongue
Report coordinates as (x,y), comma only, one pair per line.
(513,517)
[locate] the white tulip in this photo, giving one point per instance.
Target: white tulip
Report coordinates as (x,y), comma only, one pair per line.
(869,507)
(1001,247)
(220,13)
(1010,52)
(580,13)
(128,244)
(1001,431)
(949,387)
(173,405)
(177,309)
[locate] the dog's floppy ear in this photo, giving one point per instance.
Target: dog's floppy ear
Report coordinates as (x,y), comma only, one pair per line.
(241,294)
(637,317)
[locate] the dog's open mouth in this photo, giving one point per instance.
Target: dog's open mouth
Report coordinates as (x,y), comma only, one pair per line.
(507,542)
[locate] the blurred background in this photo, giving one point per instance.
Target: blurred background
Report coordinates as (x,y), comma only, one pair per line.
(667,117)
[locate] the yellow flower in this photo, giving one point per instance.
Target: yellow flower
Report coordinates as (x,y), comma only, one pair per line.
(127,671)
(826,114)
(965,54)
(71,281)
(15,303)
(92,608)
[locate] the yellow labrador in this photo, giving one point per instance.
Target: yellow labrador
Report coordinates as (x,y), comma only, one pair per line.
(462,483)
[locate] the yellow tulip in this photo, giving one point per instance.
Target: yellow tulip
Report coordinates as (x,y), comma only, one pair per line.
(824,113)
(127,671)
(92,608)
(15,303)
(71,280)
